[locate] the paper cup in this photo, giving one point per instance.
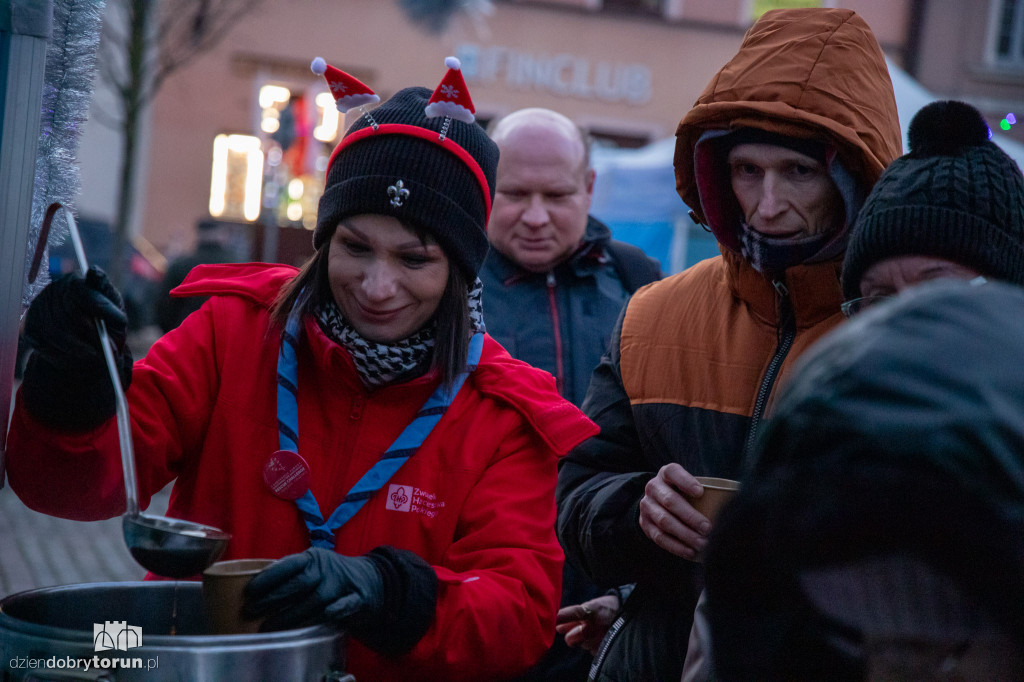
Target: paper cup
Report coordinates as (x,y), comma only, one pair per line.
(222,595)
(717,491)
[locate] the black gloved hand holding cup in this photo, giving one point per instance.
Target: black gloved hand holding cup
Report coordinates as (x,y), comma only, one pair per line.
(385,598)
(315,586)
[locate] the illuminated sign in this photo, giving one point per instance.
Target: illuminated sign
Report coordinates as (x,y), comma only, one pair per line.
(560,74)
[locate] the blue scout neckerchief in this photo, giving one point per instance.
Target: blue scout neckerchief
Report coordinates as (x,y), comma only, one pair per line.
(321,533)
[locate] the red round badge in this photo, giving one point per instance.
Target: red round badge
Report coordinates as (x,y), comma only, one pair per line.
(286,474)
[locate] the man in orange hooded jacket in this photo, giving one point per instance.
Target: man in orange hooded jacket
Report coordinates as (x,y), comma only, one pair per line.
(775,158)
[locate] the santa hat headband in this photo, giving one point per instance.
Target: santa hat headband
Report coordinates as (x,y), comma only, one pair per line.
(397,144)
(450,99)
(348,91)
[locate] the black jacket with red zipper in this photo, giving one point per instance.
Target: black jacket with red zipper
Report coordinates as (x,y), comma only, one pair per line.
(561,321)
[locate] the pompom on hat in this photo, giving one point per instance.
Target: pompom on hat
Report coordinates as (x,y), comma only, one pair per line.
(418,157)
(956,195)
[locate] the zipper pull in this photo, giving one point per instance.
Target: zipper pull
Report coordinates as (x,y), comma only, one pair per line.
(551,279)
(786,312)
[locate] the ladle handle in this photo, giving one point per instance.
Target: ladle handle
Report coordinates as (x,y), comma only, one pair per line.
(124,426)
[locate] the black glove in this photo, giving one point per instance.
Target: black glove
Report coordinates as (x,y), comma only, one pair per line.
(386,598)
(313,587)
(66,382)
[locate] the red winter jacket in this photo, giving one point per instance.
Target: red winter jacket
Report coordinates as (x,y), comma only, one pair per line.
(480,490)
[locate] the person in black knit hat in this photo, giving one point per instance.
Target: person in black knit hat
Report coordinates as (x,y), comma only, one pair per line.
(449,183)
(952,207)
(352,419)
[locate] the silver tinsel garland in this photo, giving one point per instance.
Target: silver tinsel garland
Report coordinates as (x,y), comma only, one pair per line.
(67,91)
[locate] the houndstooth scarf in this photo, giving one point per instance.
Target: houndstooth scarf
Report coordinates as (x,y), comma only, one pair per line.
(379,364)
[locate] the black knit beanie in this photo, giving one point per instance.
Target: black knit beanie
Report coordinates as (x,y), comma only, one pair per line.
(815,149)
(956,196)
(436,174)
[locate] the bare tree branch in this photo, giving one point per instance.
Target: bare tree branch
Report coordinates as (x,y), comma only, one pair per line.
(144,42)
(207,24)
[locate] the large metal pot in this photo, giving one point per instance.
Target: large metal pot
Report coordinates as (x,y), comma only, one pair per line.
(69,632)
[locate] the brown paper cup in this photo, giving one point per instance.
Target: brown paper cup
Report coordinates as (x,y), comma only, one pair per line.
(222,595)
(717,491)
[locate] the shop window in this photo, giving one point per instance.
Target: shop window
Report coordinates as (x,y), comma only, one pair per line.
(276,174)
(298,127)
(1007,33)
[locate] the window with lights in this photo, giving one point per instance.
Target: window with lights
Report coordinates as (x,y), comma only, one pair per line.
(299,127)
(276,174)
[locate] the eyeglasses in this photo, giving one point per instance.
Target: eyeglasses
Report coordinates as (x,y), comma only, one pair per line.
(856,305)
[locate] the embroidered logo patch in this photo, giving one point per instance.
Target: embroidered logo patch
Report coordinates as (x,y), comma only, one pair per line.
(407,498)
(399,498)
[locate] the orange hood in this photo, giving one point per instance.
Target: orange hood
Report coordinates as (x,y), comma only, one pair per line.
(806,73)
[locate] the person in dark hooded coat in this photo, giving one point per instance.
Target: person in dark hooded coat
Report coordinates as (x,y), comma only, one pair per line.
(881,533)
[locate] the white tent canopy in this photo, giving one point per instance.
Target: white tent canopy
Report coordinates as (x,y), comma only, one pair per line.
(635,188)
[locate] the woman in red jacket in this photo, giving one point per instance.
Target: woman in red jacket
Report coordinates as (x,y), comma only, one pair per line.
(352,417)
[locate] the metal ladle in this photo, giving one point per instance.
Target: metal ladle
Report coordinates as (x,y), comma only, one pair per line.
(168,547)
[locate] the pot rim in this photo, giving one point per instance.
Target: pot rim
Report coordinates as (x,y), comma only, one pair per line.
(9,623)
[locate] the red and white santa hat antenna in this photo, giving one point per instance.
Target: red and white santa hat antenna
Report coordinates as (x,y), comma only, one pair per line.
(348,91)
(451,98)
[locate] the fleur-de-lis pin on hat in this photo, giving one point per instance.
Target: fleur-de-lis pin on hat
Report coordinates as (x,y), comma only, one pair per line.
(419,157)
(398,193)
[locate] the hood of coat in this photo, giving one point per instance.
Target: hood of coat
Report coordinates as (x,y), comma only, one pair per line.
(899,435)
(805,73)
